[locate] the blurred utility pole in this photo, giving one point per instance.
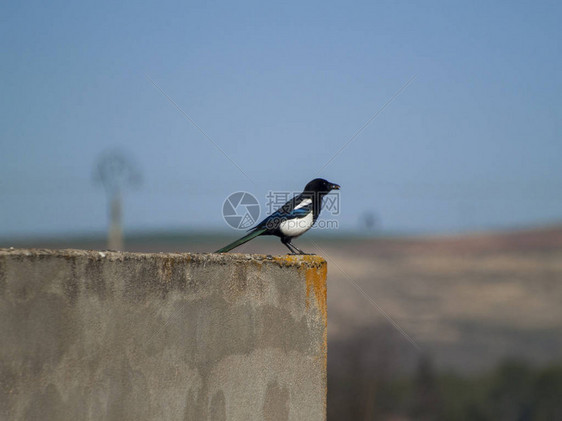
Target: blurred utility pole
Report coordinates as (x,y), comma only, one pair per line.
(115,171)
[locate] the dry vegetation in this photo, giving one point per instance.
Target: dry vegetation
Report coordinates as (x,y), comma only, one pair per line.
(467,301)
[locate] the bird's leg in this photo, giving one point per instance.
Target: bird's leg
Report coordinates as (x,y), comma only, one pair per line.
(287,242)
(296,248)
(292,248)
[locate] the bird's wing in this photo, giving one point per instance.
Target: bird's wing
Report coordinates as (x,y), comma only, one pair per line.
(297,207)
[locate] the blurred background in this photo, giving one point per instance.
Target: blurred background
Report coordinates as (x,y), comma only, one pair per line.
(127,125)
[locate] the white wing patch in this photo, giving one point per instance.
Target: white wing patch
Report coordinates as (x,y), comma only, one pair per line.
(296,226)
(304,203)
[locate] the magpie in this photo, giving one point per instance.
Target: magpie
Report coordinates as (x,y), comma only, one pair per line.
(293,219)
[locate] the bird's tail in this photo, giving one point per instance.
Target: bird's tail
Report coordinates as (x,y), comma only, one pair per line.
(242,240)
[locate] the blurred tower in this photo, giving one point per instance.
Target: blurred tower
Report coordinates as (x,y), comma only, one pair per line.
(368,220)
(114,170)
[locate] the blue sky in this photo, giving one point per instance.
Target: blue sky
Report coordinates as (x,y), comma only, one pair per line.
(473,142)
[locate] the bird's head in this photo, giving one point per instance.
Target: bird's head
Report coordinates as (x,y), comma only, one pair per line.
(319,185)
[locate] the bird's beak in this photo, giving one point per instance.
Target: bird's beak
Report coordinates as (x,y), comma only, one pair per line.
(335,187)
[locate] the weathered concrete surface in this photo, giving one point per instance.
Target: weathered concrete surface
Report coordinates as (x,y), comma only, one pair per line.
(88,335)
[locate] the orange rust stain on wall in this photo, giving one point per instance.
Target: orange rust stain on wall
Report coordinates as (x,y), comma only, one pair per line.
(316,282)
(167,267)
(315,270)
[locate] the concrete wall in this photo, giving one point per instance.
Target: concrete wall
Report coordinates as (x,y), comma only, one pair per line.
(88,335)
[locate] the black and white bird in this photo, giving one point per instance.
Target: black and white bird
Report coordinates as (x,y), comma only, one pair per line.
(293,219)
